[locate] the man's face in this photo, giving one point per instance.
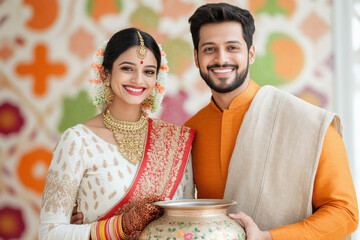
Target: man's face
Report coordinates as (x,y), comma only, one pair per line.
(223,58)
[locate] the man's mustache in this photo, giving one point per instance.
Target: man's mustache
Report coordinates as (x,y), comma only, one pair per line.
(222,66)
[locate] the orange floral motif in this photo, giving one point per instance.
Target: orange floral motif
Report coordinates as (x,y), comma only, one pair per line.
(81,43)
(33,167)
(41,69)
(103,7)
(44,13)
(164,67)
(176,8)
(160,88)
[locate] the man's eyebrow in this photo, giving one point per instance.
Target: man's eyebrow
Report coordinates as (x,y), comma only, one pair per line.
(212,43)
(207,43)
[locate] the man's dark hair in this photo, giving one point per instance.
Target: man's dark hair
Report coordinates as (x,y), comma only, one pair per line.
(218,13)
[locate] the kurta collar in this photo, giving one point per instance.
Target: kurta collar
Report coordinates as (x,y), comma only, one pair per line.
(242,99)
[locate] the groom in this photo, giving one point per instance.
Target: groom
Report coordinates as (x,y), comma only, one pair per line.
(282,159)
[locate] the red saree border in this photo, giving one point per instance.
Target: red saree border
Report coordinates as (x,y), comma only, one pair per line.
(161,137)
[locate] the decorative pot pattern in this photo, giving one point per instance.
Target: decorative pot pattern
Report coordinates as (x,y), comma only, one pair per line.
(194,219)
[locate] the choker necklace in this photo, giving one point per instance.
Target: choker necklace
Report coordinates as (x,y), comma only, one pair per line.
(131,145)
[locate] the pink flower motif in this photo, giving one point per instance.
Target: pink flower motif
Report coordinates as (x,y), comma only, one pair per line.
(188,236)
(11,119)
(12,225)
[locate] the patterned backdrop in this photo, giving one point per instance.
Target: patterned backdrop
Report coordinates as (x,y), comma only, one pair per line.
(45,53)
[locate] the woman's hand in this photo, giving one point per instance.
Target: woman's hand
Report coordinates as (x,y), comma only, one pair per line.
(251,229)
(76,217)
(141,215)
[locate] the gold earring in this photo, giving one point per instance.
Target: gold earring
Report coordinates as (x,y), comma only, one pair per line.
(108,94)
(149,101)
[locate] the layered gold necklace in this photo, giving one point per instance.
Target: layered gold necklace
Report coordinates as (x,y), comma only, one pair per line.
(131,145)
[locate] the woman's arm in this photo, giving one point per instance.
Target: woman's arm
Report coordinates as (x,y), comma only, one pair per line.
(61,188)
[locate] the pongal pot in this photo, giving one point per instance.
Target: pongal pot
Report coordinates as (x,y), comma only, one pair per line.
(192,219)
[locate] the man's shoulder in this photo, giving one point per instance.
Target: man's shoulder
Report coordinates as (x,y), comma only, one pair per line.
(198,118)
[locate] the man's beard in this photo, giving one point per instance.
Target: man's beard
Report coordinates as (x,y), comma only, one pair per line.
(223,87)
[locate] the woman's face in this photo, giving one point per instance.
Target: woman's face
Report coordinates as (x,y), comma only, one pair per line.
(132,81)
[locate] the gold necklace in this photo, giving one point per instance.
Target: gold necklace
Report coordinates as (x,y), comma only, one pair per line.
(131,145)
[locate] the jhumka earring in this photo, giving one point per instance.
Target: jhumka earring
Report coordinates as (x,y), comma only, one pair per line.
(149,101)
(141,50)
(108,94)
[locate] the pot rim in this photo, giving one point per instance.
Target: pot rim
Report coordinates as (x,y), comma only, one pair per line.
(189,204)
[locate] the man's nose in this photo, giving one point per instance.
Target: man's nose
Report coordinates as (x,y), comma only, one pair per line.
(222,57)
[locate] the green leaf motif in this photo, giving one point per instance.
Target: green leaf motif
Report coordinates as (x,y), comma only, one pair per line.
(272,8)
(145,17)
(179,54)
(76,110)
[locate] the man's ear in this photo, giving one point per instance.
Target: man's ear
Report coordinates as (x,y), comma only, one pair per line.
(252,54)
(196,58)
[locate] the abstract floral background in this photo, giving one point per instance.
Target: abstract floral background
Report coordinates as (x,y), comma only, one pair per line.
(45,53)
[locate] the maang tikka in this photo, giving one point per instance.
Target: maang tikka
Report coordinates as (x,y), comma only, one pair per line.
(141,50)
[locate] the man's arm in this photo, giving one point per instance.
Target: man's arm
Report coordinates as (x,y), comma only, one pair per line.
(336,213)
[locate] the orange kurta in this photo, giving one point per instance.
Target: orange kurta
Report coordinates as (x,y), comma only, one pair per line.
(334,197)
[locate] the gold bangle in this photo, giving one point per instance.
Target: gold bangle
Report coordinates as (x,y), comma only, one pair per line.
(121,232)
(93,231)
(112,229)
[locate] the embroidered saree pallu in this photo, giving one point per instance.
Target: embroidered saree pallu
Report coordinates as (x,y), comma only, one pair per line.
(161,169)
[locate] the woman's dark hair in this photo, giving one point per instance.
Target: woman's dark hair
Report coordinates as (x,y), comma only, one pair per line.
(218,13)
(125,39)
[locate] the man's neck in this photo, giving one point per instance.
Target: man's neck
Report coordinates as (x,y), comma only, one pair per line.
(223,100)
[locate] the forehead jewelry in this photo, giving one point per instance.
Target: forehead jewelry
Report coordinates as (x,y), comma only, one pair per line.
(141,50)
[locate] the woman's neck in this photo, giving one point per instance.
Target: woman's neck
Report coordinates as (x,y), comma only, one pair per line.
(125,112)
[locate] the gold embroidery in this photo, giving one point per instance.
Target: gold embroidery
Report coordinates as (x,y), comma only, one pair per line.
(89,153)
(125,188)
(59,157)
(116,161)
(164,136)
(95,168)
(86,206)
(51,227)
(111,147)
(64,166)
(121,175)
(71,152)
(104,163)
(129,169)
(97,181)
(85,130)
(77,133)
(77,166)
(99,149)
(89,185)
(96,205)
(110,176)
(84,142)
(112,195)
(102,190)
(94,139)
(94,195)
(66,135)
(59,193)
(84,192)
